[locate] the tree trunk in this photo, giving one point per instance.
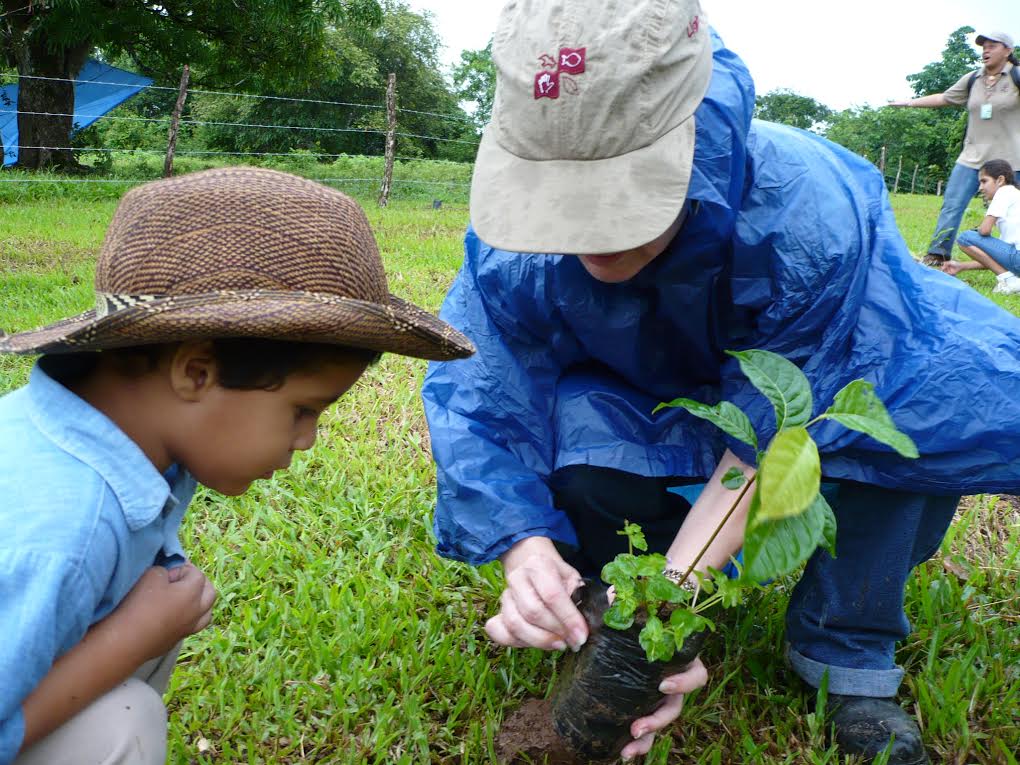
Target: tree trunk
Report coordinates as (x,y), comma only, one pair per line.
(46,136)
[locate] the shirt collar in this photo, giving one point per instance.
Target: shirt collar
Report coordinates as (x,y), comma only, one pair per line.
(87,434)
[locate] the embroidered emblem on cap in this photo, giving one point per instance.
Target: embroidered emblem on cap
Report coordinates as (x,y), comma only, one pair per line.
(693,27)
(570,61)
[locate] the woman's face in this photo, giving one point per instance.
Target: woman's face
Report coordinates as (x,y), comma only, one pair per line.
(994,55)
(988,185)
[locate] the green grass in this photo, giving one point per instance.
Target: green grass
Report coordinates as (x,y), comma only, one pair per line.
(340,637)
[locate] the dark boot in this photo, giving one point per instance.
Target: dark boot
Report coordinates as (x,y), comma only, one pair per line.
(864,725)
(934,259)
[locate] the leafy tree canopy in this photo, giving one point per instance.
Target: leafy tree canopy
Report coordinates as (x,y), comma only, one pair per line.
(958,58)
(475,80)
(226,41)
(790,108)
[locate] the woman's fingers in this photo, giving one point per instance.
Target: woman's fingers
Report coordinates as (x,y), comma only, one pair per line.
(512,628)
(665,714)
(692,678)
(675,686)
(638,747)
(538,597)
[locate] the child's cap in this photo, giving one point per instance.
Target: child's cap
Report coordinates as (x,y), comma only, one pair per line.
(591,144)
(243,252)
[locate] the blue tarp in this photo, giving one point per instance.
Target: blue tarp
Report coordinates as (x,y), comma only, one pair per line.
(99,89)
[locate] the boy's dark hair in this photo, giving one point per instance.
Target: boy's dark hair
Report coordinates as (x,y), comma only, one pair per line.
(243,363)
(995,168)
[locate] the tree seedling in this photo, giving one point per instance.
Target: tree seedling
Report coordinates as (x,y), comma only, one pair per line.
(788,517)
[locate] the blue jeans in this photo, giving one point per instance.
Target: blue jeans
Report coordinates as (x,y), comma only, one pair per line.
(845,614)
(960,189)
(1003,253)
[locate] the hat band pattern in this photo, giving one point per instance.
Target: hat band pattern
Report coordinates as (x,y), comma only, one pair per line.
(109,303)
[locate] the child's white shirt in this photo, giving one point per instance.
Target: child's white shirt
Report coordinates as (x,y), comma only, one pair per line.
(1006,207)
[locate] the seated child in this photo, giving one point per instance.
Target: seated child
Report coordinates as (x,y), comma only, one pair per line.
(997,184)
(233,307)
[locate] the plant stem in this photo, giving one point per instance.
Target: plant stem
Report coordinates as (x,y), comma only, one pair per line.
(718,528)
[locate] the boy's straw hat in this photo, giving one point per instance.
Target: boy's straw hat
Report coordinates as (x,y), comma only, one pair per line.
(243,252)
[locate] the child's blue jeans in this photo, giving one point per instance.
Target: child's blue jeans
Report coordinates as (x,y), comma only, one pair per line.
(1003,253)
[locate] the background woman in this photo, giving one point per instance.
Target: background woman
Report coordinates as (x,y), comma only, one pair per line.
(993,131)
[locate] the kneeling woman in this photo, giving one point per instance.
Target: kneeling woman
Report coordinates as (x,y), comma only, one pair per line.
(997,183)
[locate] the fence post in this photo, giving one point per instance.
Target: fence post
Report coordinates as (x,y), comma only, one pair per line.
(881,162)
(896,184)
(913,181)
(938,191)
(175,118)
(391,138)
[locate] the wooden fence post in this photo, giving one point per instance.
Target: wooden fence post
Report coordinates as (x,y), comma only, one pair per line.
(391,139)
(899,169)
(175,118)
(913,181)
(938,191)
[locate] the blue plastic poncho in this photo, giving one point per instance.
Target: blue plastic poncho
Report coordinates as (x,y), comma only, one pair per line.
(792,248)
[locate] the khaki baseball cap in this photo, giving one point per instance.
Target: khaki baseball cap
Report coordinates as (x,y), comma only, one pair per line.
(999,37)
(591,142)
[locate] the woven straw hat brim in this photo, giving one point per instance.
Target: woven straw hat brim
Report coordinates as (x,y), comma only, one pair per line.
(393,327)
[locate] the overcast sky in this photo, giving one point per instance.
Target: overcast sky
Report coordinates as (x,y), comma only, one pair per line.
(841,54)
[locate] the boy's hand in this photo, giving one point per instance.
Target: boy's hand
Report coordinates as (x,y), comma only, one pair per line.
(165,606)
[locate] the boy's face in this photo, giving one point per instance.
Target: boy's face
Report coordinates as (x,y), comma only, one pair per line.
(234,437)
(616,267)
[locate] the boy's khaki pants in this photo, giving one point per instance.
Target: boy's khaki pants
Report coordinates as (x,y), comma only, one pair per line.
(127,726)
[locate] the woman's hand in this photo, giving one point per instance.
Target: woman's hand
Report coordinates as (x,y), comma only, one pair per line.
(536,610)
(675,686)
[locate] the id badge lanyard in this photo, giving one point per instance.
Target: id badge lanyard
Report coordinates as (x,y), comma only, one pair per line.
(986,107)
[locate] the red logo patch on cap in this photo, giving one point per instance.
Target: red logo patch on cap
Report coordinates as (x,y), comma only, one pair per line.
(572,60)
(694,26)
(547,85)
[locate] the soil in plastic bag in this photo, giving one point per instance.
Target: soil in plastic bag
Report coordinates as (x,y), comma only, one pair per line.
(601,690)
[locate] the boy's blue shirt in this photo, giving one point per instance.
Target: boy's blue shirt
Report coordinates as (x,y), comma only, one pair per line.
(83,513)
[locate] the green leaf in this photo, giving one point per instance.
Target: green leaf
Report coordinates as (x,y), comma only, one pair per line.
(651,565)
(789,476)
(662,589)
(620,615)
(773,548)
(627,591)
(828,527)
(858,408)
(781,382)
(634,534)
(683,624)
(724,415)
(734,479)
(658,643)
(623,568)
(731,591)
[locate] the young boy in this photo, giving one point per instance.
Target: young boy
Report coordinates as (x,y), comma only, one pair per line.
(233,307)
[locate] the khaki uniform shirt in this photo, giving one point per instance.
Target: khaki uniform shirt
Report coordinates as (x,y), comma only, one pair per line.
(995,138)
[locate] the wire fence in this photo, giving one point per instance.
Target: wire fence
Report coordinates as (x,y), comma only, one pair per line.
(910,178)
(105,164)
(901,174)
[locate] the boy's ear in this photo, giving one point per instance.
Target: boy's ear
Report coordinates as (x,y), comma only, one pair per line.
(193,371)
